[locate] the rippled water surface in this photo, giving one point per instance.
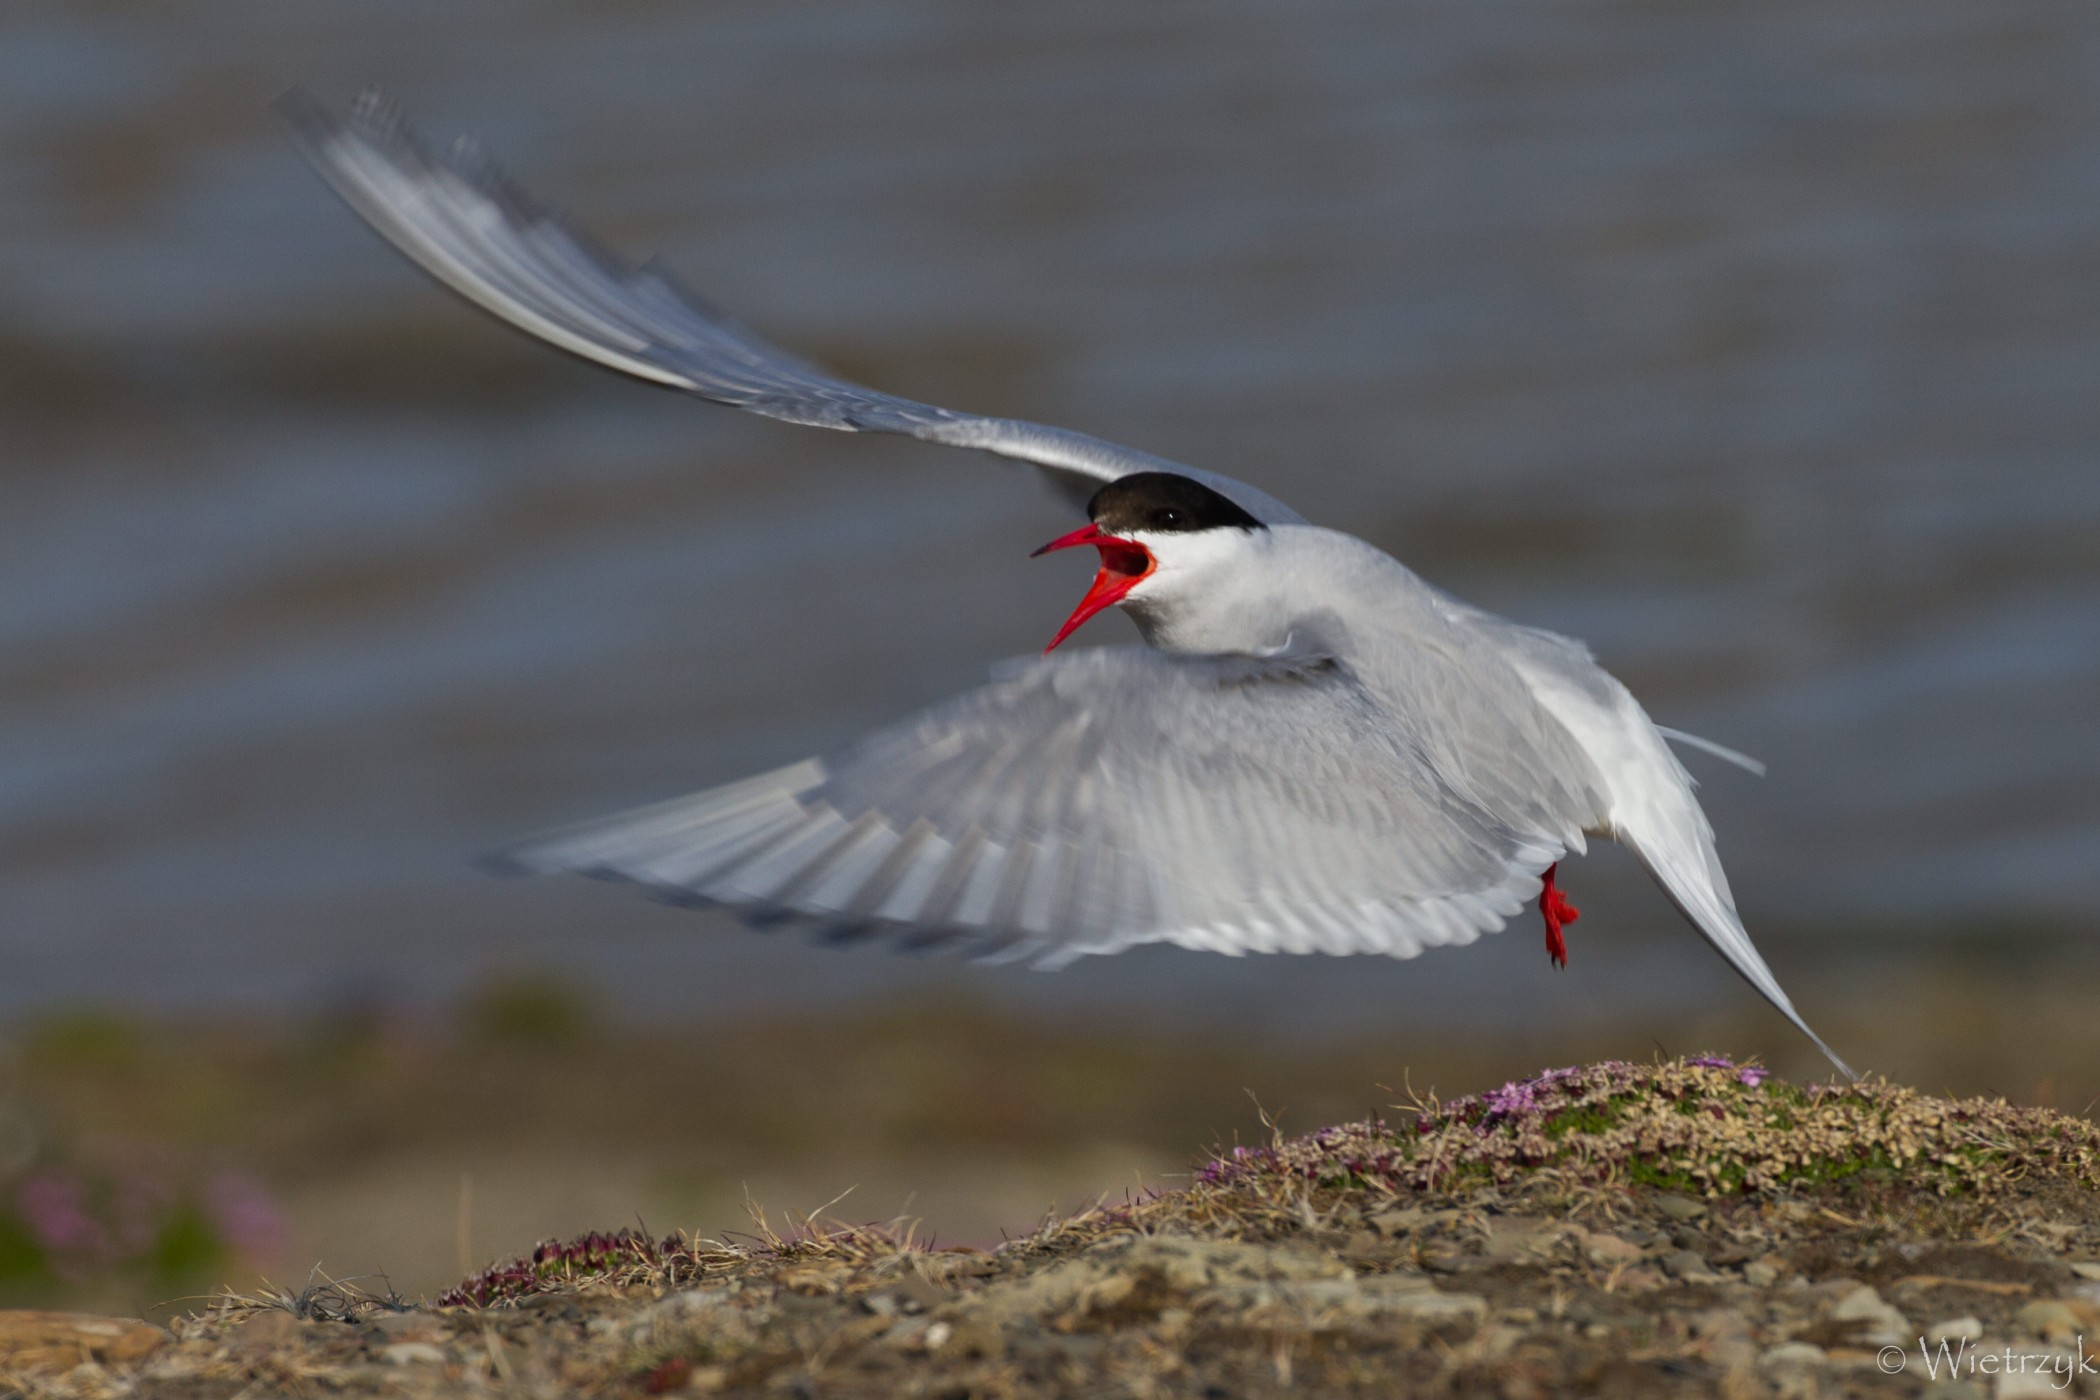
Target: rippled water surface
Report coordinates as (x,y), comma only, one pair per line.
(1756,344)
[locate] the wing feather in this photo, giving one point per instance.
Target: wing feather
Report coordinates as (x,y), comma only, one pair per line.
(1088,802)
(461,220)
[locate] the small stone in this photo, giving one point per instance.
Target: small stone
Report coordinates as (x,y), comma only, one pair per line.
(1521,1238)
(1101,1295)
(407,1327)
(810,1281)
(52,1342)
(1498,1342)
(2042,1378)
(1364,1244)
(971,1335)
(1719,1322)
(1758,1274)
(560,1304)
(1679,1207)
(1732,1353)
(1732,1253)
(1955,1329)
(1397,1222)
(1881,1325)
(1792,1354)
(412,1354)
(2087,1269)
(2048,1319)
(1606,1251)
(1685,1264)
(266,1330)
(917,1293)
(1425,1304)
(863,1329)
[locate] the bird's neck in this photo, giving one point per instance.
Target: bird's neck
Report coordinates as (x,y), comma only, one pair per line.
(1295,588)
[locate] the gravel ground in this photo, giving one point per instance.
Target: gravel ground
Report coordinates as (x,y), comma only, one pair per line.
(1964,1261)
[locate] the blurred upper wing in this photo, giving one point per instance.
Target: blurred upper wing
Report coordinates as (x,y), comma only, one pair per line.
(462,221)
(1088,801)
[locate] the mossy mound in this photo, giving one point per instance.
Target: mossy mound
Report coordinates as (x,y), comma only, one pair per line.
(1702,1124)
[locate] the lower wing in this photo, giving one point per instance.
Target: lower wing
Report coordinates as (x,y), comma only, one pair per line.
(1088,802)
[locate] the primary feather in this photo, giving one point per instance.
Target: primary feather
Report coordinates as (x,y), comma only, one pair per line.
(458,218)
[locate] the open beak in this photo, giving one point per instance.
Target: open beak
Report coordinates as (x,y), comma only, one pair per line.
(1124,565)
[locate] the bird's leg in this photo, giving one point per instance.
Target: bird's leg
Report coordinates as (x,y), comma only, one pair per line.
(1559,914)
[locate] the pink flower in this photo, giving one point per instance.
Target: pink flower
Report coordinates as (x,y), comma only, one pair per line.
(55,1209)
(246,1216)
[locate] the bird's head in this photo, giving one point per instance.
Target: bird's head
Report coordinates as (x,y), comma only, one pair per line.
(1160,536)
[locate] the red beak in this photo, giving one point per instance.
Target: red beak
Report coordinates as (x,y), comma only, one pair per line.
(1124,565)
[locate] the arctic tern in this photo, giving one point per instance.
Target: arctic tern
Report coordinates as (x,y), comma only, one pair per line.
(1314,751)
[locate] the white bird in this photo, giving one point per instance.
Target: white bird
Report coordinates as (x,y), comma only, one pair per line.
(1315,751)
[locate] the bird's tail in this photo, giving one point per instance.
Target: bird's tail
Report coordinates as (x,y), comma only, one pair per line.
(1669,833)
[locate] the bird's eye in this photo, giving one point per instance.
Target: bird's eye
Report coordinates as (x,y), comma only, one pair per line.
(1170,517)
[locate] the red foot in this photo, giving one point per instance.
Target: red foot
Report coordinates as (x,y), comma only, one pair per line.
(1559,914)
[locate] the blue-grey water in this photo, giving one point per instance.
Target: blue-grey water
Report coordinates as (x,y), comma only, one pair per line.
(1757,344)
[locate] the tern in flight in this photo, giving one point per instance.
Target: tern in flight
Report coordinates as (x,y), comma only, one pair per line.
(1313,751)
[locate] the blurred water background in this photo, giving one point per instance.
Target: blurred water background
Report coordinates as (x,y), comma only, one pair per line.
(1753,343)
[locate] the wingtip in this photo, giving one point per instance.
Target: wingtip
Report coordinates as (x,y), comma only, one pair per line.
(1828,1053)
(305,116)
(320,132)
(505,864)
(375,118)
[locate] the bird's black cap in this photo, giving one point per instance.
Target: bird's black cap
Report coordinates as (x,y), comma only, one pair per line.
(1164,502)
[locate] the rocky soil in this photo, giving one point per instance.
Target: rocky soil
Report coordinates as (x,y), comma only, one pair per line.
(1689,1228)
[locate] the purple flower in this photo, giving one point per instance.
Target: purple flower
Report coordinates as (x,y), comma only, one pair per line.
(55,1208)
(247,1217)
(1711,1062)
(1753,1075)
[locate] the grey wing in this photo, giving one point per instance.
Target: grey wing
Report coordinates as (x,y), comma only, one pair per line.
(455,215)
(1086,802)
